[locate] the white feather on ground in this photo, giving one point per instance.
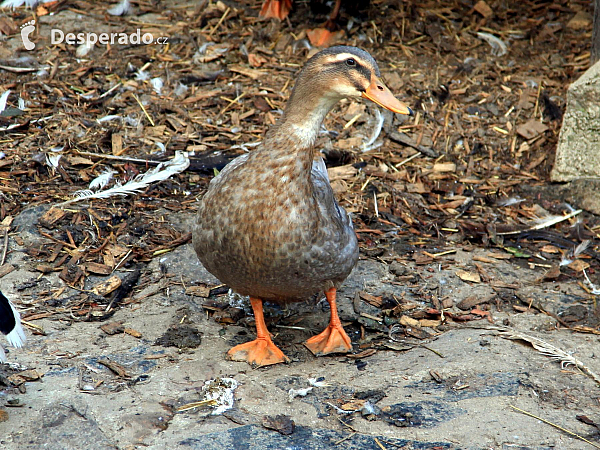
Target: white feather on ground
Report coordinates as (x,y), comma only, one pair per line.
(120,9)
(551,351)
(4,100)
(19,3)
(164,170)
(84,49)
(101,180)
(499,48)
(574,253)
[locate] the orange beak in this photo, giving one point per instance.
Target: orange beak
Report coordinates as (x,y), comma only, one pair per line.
(378,93)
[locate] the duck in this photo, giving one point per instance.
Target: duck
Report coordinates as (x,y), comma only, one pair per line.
(10,325)
(269,225)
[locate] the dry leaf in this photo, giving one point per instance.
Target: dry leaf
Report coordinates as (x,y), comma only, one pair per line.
(578,265)
(531,129)
(409,322)
(468,276)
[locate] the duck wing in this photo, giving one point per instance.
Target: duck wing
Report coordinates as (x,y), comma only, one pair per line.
(339,239)
(326,200)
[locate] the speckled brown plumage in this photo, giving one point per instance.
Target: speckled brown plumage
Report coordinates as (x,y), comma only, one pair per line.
(269,225)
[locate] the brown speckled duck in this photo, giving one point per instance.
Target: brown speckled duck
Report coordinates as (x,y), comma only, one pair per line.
(269,225)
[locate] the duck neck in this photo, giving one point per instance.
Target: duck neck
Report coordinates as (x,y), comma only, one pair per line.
(297,130)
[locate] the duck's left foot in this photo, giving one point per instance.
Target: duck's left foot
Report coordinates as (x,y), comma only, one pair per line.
(277,9)
(332,340)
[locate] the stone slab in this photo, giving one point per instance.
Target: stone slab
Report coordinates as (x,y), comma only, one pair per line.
(578,149)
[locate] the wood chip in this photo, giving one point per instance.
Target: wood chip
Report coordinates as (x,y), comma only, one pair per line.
(364,354)
(409,322)
(97,268)
(578,265)
(500,255)
(281,423)
(198,291)
(107,286)
(132,332)
(342,172)
(5,269)
(25,376)
(464,275)
(113,328)
(483,8)
(376,301)
(580,21)
(468,303)
(428,323)
(531,129)
(52,216)
(484,259)
(353,405)
(115,367)
(444,167)
(255,74)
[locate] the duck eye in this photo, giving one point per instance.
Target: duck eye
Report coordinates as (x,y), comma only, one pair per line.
(351,62)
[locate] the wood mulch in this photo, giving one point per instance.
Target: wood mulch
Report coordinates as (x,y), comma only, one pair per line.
(470,169)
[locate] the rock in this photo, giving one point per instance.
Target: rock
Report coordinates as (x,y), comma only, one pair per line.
(584,194)
(577,153)
(398,269)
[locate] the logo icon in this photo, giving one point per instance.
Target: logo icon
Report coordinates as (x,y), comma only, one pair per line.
(26,29)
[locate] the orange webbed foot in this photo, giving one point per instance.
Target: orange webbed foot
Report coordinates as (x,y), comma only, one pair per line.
(259,352)
(277,9)
(326,35)
(332,340)
(322,37)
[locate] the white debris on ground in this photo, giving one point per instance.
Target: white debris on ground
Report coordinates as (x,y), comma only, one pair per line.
(313,382)
(220,390)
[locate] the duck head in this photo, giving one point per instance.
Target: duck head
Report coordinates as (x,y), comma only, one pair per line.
(326,78)
(346,72)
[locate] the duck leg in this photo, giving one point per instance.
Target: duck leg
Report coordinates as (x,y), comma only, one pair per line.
(278,9)
(324,36)
(333,339)
(261,351)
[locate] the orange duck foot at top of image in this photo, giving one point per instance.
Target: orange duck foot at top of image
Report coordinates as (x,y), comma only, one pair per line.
(269,225)
(276,9)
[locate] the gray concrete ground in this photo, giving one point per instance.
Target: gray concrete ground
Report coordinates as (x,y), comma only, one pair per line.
(453,390)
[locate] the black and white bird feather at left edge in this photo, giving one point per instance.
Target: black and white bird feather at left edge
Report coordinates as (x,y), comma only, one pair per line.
(10,325)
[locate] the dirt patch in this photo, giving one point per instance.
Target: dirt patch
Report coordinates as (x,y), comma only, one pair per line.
(180,337)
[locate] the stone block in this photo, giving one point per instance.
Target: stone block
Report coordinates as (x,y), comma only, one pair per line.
(578,150)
